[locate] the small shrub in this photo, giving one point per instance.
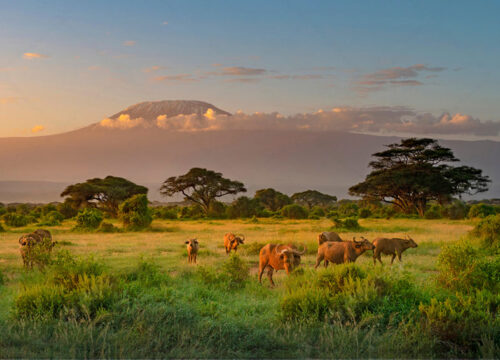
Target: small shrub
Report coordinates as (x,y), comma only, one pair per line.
(66,209)
(106,227)
(481,211)
(16,220)
(88,219)
(52,218)
(434,212)
(462,267)
(346,224)
(236,271)
(1,228)
(457,210)
(347,208)
(317,211)
(135,213)
(294,211)
(165,213)
(364,213)
(488,231)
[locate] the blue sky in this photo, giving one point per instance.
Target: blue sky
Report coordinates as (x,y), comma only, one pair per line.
(91,59)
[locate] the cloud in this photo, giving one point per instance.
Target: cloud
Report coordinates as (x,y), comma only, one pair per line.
(297,77)
(178,77)
(394,76)
(31,56)
(380,120)
(9,100)
(37,129)
(123,122)
(129,43)
(239,71)
(154,68)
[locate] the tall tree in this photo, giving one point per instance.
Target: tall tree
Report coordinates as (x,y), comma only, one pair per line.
(411,173)
(271,199)
(201,186)
(105,194)
(311,198)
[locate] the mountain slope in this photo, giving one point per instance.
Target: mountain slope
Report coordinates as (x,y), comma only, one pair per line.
(287,160)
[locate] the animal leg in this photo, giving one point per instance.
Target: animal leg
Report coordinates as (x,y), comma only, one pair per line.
(399,256)
(380,259)
(261,271)
(326,263)
(393,257)
(319,258)
(270,275)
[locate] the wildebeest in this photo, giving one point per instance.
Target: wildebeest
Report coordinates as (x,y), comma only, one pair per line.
(278,257)
(394,246)
(232,241)
(192,250)
(328,236)
(342,252)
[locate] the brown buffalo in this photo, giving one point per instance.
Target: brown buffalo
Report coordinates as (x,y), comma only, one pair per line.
(342,252)
(394,246)
(28,243)
(278,257)
(46,239)
(232,241)
(192,250)
(328,236)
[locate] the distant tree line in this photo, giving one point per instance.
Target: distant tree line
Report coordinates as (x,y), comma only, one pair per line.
(413,178)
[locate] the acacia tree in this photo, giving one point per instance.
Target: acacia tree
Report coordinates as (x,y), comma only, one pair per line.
(201,186)
(271,199)
(105,194)
(311,198)
(411,173)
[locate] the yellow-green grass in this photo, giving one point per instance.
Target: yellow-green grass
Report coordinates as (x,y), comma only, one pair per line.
(165,242)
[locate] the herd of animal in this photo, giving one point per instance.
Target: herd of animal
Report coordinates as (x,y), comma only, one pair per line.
(331,249)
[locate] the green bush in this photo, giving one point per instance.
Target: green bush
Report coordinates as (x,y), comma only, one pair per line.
(317,211)
(2,278)
(294,211)
(88,219)
(217,210)
(434,212)
(165,212)
(462,323)
(481,211)
(463,267)
(135,213)
(236,271)
(346,224)
(347,208)
(66,209)
(364,213)
(52,218)
(457,210)
(191,212)
(1,228)
(106,227)
(16,220)
(488,231)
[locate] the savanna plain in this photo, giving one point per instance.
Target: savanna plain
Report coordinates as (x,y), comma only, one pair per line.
(134,295)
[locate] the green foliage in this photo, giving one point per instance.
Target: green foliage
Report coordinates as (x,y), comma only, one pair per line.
(1,228)
(106,227)
(52,218)
(435,211)
(364,213)
(271,199)
(88,219)
(16,220)
(2,278)
(165,212)
(236,271)
(347,208)
(244,207)
(135,213)
(481,211)
(462,267)
(456,210)
(108,193)
(415,171)
(488,231)
(463,322)
(201,186)
(317,211)
(191,212)
(312,198)
(346,224)
(216,210)
(66,209)
(294,211)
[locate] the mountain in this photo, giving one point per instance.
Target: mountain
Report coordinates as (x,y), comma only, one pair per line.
(288,160)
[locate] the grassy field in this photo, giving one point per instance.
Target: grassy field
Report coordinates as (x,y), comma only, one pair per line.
(192,311)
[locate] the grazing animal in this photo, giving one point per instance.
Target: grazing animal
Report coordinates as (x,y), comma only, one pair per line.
(28,243)
(232,241)
(342,252)
(394,246)
(278,257)
(192,250)
(328,236)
